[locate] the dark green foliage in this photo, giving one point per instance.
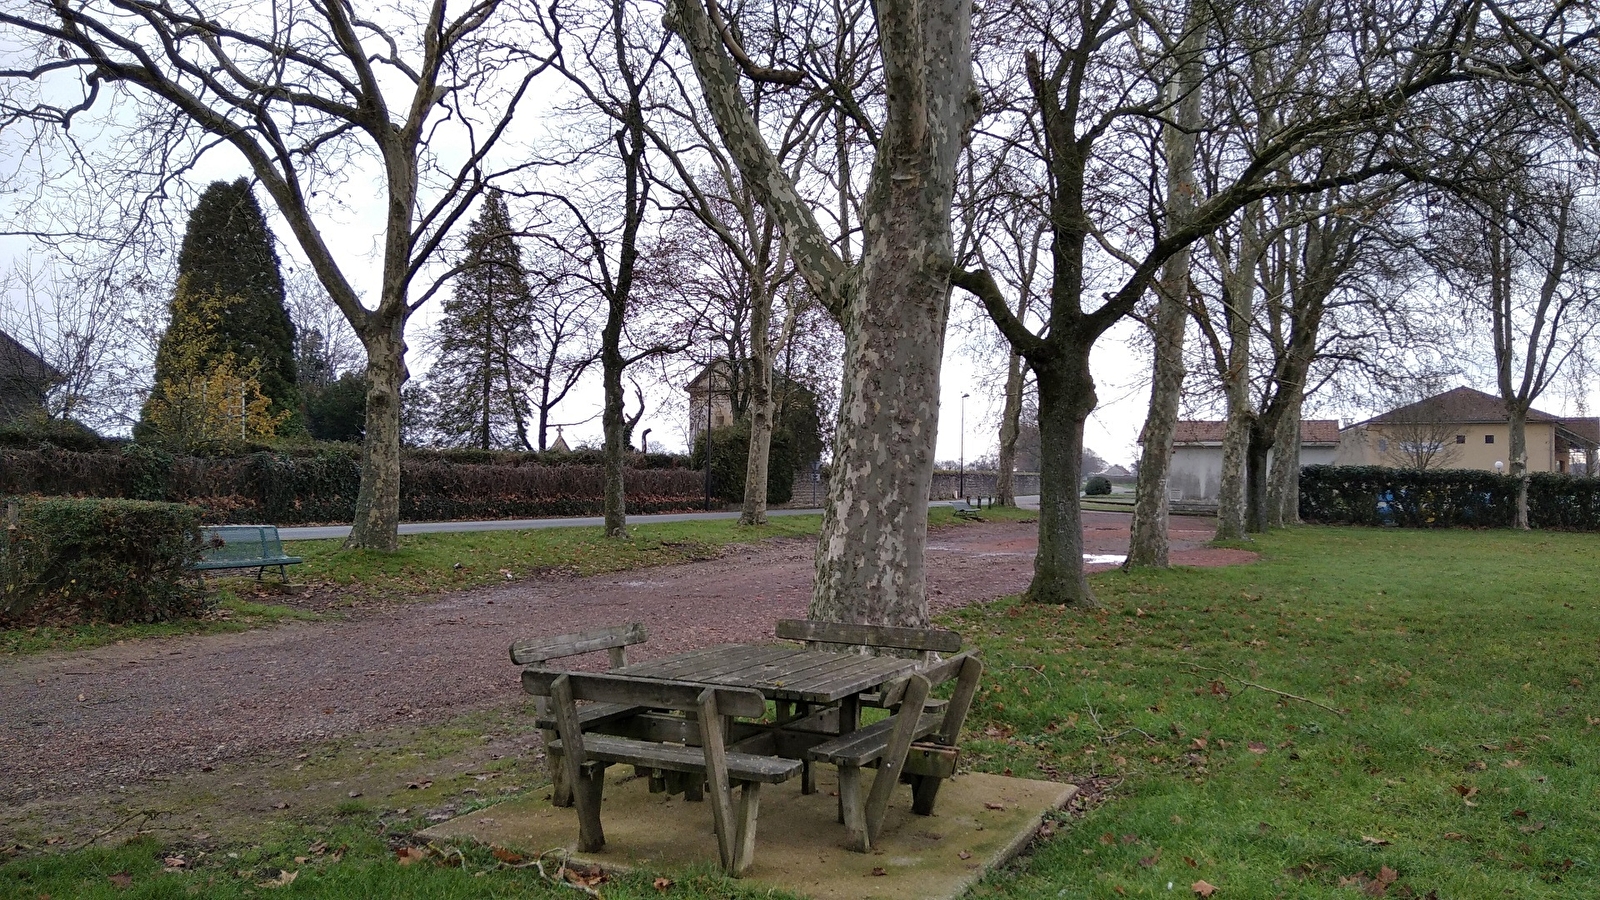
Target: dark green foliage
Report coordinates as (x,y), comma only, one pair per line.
(337,411)
(228,253)
(1097,486)
(1444,498)
(40,431)
(730,454)
(799,413)
(318,483)
(100,561)
(480,384)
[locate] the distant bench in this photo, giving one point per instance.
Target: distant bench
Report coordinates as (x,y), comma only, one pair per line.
(242,547)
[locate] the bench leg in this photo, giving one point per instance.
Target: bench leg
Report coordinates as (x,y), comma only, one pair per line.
(853,809)
(744,851)
(586,796)
(924,790)
(893,761)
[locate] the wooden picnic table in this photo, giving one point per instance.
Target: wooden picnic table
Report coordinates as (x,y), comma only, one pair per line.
(779,671)
(700,718)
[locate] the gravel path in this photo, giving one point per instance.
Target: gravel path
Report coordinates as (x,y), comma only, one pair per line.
(91,721)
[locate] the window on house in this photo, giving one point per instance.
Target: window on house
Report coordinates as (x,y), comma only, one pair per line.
(1383,445)
(1461,439)
(1488,439)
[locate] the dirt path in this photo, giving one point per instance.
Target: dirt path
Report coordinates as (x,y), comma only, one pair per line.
(96,721)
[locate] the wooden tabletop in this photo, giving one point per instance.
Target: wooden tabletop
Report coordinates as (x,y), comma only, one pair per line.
(778,671)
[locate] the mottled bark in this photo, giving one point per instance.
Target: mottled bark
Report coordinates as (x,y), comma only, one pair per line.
(1283,484)
(1238,309)
(376,525)
(614,425)
(1066,397)
(1010,428)
(1518,449)
(1148,545)
(754,510)
(892,305)
(1259,441)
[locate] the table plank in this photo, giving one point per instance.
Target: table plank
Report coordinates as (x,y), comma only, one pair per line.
(779,672)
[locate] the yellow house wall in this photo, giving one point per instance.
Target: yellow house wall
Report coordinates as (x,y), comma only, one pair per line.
(1359,447)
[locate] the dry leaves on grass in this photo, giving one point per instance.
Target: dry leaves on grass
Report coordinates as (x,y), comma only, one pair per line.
(121,879)
(1203,888)
(661,884)
(284,879)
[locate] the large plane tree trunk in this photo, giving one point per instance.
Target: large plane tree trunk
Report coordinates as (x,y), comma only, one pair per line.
(1066,397)
(892,305)
(1147,539)
(376,525)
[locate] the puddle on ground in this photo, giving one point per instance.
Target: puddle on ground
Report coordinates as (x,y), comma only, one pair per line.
(1104,559)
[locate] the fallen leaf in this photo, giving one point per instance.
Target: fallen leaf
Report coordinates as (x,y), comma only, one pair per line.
(284,879)
(1120,890)
(878,870)
(1467,790)
(1151,860)
(1519,814)
(175,862)
(1387,875)
(661,884)
(1108,839)
(1189,861)
(506,856)
(405,856)
(965,854)
(1130,839)
(1198,744)
(121,879)
(280,805)
(987,805)
(1374,841)
(1203,889)
(1454,836)
(418,785)
(1257,747)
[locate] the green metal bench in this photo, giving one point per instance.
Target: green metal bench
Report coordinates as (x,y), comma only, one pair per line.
(242,547)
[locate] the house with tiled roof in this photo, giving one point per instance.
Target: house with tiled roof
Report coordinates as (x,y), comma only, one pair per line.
(1464,429)
(24,379)
(1195,474)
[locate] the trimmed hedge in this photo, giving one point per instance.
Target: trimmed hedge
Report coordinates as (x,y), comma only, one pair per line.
(99,560)
(285,489)
(730,458)
(1446,498)
(1097,486)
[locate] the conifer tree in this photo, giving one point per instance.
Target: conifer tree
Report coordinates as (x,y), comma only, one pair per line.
(481,378)
(230,290)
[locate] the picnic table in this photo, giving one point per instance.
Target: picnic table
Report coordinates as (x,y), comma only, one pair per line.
(701,719)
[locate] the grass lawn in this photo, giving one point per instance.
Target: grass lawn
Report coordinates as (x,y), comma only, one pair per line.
(1462,761)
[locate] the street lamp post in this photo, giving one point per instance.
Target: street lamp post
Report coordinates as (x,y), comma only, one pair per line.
(961,477)
(710,378)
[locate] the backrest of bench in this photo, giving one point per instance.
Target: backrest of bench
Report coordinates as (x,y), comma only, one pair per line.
(651,692)
(239,542)
(544,649)
(924,639)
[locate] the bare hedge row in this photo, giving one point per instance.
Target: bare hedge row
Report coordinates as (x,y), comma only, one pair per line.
(295,490)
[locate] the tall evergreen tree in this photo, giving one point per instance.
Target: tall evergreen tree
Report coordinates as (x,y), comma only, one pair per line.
(481,378)
(230,290)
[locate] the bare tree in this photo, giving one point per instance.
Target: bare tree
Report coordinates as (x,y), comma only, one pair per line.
(892,304)
(302,93)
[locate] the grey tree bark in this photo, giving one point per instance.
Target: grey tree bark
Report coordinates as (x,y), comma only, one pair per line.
(891,305)
(1148,545)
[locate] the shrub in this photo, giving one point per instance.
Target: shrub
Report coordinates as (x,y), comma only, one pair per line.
(40,431)
(1096,486)
(1446,498)
(99,560)
(730,454)
(318,482)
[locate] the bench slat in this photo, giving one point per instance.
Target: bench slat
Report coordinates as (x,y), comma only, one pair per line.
(869,635)
(867,744)
(678,758)
(538,650)
(645,692)
(595,714)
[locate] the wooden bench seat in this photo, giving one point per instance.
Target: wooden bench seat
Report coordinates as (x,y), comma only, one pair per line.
(892,745)
(681,758)
(615,640)
(867,745)
(585,755)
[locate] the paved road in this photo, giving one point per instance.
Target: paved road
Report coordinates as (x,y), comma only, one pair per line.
(324,532)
